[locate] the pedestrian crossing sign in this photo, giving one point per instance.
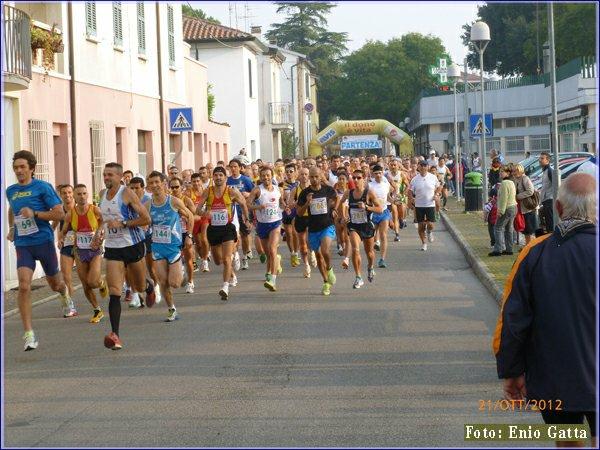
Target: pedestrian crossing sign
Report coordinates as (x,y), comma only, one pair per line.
(180,119)
(477,125)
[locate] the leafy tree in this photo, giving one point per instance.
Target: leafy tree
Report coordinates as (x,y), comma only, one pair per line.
(305,31)
(197,13)
(515,27)
(289,144)
(211,101)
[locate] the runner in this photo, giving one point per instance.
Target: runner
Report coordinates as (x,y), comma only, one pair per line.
(123,214)
(362,203)
(244,185)
(84,221)
(137,185)
(66,244)
(424,189)
(221,232)
(399,183)
(266,200)
(166,213)
(301,222)
(33,204)
(204,221)
(341,186)
(381,188)
(289,185)
(194,193)
(320,200)
(187,244)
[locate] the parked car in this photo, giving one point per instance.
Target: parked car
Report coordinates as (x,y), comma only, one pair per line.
(567,166)
(532,164)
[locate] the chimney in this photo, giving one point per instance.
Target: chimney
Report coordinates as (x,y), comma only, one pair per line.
(256,31)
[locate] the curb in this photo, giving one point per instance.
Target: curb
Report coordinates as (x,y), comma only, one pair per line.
(15,311)
(474,261)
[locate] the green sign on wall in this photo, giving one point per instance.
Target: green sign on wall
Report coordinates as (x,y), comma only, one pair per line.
(440,71)
(570,126)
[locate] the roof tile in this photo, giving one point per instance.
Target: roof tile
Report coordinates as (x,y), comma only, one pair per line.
(202,30)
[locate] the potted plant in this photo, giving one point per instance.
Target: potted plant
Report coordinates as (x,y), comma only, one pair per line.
(49,41)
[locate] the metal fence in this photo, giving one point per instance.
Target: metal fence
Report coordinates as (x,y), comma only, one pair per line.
(16,52)
(280,113)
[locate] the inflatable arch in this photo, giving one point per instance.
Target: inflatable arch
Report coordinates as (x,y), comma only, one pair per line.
(356,127)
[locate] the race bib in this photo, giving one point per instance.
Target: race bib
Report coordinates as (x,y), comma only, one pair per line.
(25,227)
(358,215)
(318,206)
(69,239)
(84,239)
(161,234)
(114,233)
(218,217)
(271,213)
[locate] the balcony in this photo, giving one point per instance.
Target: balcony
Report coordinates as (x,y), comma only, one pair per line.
(281,115)
(16,52)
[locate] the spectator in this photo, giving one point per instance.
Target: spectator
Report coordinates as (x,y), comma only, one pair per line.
(545,339)
(507,210)
(490,214)
(494,173)
(475,162)
(241,157)
(432,161)
(547,193)
(527,201)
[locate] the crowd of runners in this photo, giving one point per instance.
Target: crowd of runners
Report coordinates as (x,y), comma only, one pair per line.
(153,233)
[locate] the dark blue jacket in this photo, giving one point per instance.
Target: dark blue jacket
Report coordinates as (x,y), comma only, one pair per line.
(547,326)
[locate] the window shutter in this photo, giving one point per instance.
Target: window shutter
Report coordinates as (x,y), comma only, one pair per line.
(171,30)
(90,18)
(117,23)
(141,29)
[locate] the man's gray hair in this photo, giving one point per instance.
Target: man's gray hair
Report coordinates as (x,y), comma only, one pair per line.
(577,195)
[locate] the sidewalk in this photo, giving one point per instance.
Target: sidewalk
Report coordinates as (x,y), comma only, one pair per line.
(470,231)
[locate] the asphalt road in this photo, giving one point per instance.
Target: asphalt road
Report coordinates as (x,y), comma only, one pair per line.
(401,362)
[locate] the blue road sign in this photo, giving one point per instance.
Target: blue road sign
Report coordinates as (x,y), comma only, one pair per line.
(476,127)
(180,119)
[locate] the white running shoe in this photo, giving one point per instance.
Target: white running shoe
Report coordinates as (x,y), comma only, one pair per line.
(249,255)
(31,341)
(424,247)
(205,265)
(340,250)
(189,289)
(245,263)
(158,297)
(313,259)
(233,281)
(306,271)
(236,261)
(430,237)
(224,292)
(135,300)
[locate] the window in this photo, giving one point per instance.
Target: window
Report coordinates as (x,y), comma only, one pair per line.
(250,76)
(117,24)
(539,143)
(174,147)
(141,29)
(142,152)
(307,86)
(515,144)
(491,143)
(566,142)
(98,154)
(514,122)
(90,18)
(446,127)
(497,124)
(537,121)
(171,31)
(38,145)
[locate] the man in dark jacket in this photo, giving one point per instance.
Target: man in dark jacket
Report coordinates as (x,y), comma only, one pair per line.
(545,339)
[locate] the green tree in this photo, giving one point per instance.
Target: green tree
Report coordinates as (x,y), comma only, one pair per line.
(305,31)
(380,80)
(289,144)
(519,30)
(197,13)
(211,101)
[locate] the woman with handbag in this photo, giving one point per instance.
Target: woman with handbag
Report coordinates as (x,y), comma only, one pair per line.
(507,210)
(528,199)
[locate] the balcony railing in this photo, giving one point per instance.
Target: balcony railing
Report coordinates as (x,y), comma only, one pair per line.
(16,54)
(280,114)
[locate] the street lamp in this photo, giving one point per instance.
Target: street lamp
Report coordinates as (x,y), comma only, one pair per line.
(480,37)
(454,76)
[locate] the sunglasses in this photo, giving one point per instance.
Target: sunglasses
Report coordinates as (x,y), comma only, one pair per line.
(357,178)
(290,171)
(174,187)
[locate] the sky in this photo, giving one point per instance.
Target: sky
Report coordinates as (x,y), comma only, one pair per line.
(365,20)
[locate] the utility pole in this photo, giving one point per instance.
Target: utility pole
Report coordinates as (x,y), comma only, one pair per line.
(554,131)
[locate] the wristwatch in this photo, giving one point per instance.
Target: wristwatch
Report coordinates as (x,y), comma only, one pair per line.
(35,214)
(124,222)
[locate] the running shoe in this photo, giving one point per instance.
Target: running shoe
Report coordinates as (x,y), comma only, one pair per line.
(358,283)
(345,263)
(340,250)
(150,294)
(195,263)
(224,292)
(245,263)
(209,257)
(69,311)
(172,316)
(326,289)
(397,238)
(128,295)
(236,261)
(424,247)
(381,263)
(112,341)
(103,288)
(233,281)
(377,246)
(370,274)
(98,316)
(189,288)
(263,258)
(313,259)
(279,268)
(31,341)
(269,283)
(249,255)
(430,237)
(157,293)
(205,266)
(331,276)
(136,303)
(307,271)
